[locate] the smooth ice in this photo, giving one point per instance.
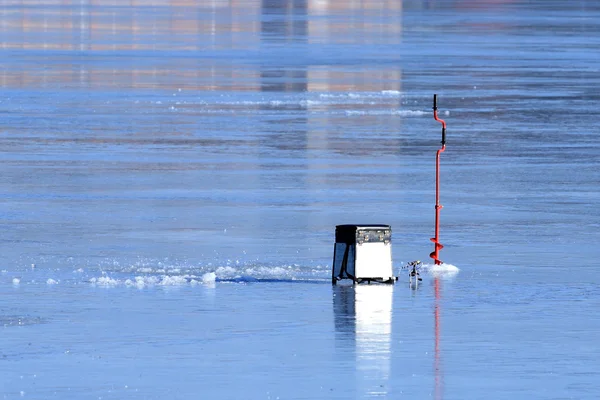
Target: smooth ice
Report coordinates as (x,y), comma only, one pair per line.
(172,174)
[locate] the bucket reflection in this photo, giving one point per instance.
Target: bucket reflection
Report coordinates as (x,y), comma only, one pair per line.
(363,316)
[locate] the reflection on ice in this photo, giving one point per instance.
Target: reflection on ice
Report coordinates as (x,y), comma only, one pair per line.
(363,313)
(373,336)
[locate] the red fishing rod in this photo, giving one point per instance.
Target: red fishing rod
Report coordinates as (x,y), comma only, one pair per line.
(438,206)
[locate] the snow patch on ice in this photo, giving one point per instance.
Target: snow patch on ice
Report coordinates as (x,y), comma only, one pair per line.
(104,281)
(207,275)
(138,282)
(172,280)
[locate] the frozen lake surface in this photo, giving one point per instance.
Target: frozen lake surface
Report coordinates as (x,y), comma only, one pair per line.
(172,174)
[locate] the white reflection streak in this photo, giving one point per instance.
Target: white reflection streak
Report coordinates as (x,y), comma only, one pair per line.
(82,24)
(45,39)
(4,25)
(373,337)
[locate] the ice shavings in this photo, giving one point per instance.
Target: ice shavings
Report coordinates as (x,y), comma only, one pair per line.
(209,277)
(258,272)
(141,282)
(226,271)
(173,280)
(130,283)
(442,270)
(270,272)
(104,281)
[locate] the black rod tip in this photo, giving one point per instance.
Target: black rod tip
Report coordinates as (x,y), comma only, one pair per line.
(435,101)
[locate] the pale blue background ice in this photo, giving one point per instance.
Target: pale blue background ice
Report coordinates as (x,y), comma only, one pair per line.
(174,172)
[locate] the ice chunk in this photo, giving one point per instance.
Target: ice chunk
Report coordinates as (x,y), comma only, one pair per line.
(209,277)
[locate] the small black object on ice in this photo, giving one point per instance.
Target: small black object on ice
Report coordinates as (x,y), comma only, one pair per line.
(414,272)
